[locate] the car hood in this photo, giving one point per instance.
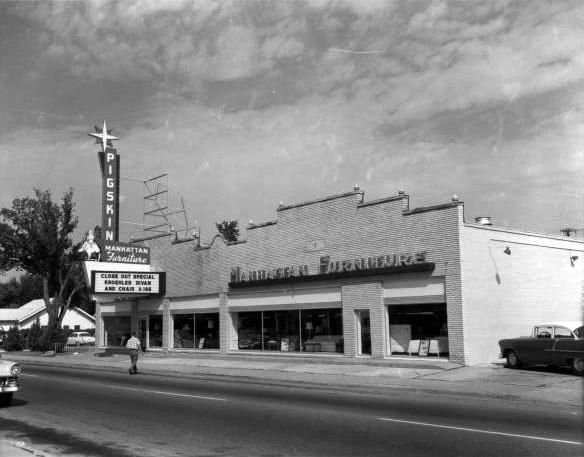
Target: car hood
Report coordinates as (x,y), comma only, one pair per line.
(6,367)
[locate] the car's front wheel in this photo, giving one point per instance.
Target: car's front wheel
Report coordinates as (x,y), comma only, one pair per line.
(5,399)
(579,367)
(512,360)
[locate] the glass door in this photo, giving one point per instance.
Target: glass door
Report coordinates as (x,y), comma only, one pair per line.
(363,332)
(142,329)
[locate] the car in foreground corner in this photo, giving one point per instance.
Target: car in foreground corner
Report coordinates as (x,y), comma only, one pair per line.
(9,382)
(551,343)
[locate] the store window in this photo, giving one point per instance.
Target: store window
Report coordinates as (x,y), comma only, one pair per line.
(281,331)
(184,331)
(155,331)
(418,330)
(207,330)
(319,330)
(117,330)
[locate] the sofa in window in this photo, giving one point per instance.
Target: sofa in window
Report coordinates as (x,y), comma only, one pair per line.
(323,343)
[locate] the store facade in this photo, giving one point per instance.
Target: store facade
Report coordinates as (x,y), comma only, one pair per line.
(346,277)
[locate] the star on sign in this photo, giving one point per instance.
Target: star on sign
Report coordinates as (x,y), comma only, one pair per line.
(103,137)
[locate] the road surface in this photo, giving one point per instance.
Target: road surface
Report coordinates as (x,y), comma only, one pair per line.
(82,412)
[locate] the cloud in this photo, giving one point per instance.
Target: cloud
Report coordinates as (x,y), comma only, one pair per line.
(412,95)
(402,56)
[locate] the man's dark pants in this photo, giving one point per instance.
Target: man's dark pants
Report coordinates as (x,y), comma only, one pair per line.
(133,360)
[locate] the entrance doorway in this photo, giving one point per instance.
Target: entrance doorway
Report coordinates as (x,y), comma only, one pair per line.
(363,332)
(141,332)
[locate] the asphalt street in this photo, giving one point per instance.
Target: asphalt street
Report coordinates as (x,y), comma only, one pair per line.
(86,411)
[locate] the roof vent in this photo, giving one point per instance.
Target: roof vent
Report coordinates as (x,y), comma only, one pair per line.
(483,220)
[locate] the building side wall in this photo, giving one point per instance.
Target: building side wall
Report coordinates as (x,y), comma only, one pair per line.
(505,294)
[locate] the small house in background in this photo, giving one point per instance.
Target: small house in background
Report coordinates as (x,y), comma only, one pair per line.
(35,311)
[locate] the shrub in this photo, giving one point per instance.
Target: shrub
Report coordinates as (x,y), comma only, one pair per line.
(34,336)
(14,340)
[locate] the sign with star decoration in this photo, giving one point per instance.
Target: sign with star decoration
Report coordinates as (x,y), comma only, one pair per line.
(109,161)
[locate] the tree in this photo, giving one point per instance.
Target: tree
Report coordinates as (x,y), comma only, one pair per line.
(19,291)
(229,230)
(35,236)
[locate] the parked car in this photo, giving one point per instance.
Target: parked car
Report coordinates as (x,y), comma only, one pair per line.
(80,338)
(9,382)
(551,343)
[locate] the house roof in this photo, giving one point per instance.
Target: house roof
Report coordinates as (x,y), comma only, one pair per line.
(26,310)
(30,309)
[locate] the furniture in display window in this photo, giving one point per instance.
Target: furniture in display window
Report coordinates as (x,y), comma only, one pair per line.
(414,347)
(323,343)
(438,345)
(431,346)
(400,337)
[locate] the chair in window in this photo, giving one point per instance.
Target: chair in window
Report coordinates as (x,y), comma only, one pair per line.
(414,347)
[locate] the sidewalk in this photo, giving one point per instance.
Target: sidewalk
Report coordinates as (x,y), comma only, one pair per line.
(428,375)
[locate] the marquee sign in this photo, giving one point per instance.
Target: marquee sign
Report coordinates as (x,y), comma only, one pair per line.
(128,282)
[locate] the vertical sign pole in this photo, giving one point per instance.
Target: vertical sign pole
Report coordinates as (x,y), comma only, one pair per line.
(110,168)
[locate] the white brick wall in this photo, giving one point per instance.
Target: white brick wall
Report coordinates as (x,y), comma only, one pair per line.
(504,295)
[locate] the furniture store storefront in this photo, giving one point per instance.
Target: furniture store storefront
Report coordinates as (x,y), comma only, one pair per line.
(373,307)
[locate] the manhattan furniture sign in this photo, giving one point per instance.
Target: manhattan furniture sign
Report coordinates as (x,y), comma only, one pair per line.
(128,282)
(339,269)
(118,252)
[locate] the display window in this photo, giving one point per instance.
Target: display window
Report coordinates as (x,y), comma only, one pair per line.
(207,330)
(196,330)
(184,331)
(418,330)
(318,330)
(117,330)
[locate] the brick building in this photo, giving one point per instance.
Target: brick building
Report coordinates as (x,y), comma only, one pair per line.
(342,275)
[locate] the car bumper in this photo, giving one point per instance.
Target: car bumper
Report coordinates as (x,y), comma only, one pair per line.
(9,385)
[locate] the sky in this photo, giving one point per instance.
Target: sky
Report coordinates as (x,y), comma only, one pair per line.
(246,104)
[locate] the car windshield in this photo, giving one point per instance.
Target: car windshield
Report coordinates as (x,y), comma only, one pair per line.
(579,332)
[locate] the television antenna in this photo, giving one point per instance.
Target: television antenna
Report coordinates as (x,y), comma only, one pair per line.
(164,213)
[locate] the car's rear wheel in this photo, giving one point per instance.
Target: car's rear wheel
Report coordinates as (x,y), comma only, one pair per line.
(5,399)
(512,360)
(579,367)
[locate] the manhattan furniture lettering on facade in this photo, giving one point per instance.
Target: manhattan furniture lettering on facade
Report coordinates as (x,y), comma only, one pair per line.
(341,275)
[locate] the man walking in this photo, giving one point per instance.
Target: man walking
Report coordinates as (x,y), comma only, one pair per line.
(134,347)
